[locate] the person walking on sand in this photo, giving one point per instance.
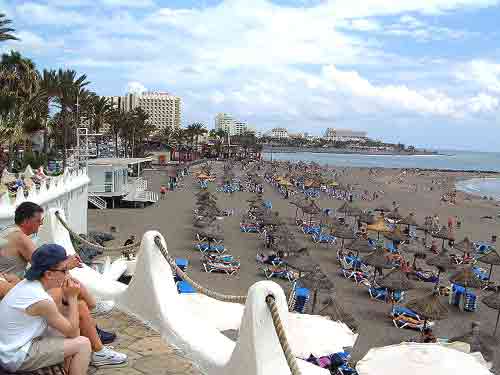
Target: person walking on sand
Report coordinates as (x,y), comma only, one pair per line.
(163,192)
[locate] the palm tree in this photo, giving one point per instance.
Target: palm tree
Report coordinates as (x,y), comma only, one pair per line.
(5,29)
(115,120)
(196,129)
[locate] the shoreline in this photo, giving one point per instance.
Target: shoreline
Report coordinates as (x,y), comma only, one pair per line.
(339,151)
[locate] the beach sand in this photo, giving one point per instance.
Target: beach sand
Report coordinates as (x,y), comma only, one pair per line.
(173,217)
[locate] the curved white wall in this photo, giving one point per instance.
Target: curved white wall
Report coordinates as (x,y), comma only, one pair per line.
(193,322)
(67,192)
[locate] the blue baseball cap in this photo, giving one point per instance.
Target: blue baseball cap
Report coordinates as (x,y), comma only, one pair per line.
(44,258)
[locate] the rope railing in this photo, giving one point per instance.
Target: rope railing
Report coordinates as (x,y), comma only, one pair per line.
(76,236)
(194,284)
(280,332)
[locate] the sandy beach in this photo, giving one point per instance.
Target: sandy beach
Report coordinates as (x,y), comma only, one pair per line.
(173,218)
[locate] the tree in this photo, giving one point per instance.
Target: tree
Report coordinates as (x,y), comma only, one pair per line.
(5,29)
(195,130)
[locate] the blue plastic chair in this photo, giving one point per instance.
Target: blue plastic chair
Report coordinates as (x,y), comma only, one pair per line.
(183,287)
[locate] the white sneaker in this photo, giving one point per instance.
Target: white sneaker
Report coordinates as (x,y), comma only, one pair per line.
(103,307)
(108,357)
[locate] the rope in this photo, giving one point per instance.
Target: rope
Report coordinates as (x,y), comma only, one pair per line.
(75,235)
(194,284)
(280,332)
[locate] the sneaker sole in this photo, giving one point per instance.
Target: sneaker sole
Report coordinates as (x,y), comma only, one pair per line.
(105,365)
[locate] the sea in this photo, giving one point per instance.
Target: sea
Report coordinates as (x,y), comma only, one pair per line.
(445,160)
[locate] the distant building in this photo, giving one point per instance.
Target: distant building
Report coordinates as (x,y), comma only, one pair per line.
(164,109)
(231,125)
(279,133)
(344,135)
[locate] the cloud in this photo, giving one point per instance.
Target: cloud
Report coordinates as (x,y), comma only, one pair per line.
(39,14)
(485,74)
(136,88)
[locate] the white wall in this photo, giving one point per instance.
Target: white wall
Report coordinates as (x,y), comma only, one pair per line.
(68,192)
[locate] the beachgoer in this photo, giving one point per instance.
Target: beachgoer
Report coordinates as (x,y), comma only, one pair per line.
(450,223)
(428,336)
(458,221)
(163,192)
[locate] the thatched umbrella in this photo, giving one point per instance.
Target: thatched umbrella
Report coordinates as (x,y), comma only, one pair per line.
(331,308)
(350,209)
(442,262)
(311,209)
(493,301)
(396,235)
(379,226)
(415,249)
(301,263)
(396,280)
(492,258)
(360,245)
(273,219)
(445,234)
(426,227)
(378,259)
(345,233)
(466,278)
(479,341)
(466,246)
(429,307)
(211,232)
(367,218)
(382,208)
(394,215)
(316,281)
(409,221)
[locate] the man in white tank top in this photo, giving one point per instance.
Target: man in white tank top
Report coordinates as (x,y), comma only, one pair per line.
(28,310)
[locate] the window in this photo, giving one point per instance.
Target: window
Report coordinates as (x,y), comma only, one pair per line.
(108,182)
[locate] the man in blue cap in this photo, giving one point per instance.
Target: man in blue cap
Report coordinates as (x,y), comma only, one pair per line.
(28,310)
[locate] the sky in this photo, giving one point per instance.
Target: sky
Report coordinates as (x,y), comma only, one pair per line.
(422,72)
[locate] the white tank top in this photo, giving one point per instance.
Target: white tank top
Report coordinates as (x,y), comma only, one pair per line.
(17,328)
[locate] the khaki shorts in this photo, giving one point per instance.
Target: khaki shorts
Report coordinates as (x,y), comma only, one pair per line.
(44,352)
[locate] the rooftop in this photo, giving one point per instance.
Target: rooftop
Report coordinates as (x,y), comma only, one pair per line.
(118,161)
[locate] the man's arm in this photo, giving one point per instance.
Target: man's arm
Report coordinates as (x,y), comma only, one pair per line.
(24,245)
(69,327)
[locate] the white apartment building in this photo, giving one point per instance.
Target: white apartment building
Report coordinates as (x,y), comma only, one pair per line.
(163,108)
(231,125)
(279,133)
(344,135)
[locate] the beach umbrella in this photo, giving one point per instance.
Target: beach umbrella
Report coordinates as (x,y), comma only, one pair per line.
(367,218)
(442,262)
(466,246)
(360,245)
(429,307)
(331,308)
(426,227)
(396,280)
(492,258)
(493,302)
(409,220)
(316,281)
(415,249)
(382,208)
(377,259)
(413,358)
(394,215)
(466,278)
(379,226)
(445,234)
(479,341)
(301,263)
(345,233)
(273,219)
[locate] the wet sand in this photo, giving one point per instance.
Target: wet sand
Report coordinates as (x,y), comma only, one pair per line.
(173,217)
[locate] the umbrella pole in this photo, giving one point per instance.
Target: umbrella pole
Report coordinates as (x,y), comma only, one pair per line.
(315,295)
(491,270)
(496,325)
(442,246)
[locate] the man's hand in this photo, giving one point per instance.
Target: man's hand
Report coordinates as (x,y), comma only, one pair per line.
(70,288)
(10,278)
(74,262)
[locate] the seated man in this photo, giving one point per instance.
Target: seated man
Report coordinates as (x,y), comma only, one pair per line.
(28,310)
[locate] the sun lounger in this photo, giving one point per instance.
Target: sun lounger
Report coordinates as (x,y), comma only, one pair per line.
(357,276)
(183,287)
(249,228)
(311,229)
(279,271)
(299,299)
(480,273)
(323,238)
(427,276)
(465,300)
(403,317)
(382,294)
(222,258)
(205,248)
(220,267)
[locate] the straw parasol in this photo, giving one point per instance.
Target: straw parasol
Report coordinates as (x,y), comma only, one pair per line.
(466,278)
(331,308)
(492,258)
(367,218)
(382,208)
(360,245)
(466,246)
(479,341)
(493,302)
(429,307)
(377,259)
(442,262)
(316,281)
(409,220)
(445,234)
(415,249)
(349,209)
(394,215)
(344,233)
(301,263)
(379,226)
(396,280)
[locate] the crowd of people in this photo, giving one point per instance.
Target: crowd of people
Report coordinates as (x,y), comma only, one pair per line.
(46,314)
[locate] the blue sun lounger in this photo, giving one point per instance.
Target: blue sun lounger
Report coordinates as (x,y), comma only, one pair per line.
(183,287)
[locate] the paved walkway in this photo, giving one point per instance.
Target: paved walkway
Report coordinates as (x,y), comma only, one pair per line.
(147,354)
